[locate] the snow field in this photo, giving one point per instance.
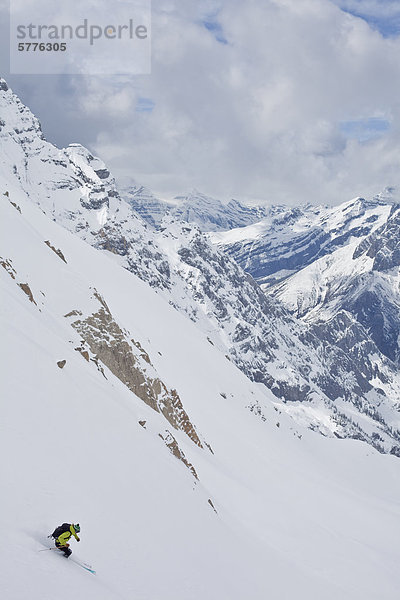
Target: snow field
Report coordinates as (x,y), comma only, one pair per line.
(304,518)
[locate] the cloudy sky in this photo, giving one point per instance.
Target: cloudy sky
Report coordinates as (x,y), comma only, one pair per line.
(285,101)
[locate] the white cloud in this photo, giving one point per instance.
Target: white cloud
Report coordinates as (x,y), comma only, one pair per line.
(259,117)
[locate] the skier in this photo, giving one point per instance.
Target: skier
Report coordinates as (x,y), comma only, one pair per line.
(63,533)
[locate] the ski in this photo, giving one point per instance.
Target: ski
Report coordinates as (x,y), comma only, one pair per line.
(85,566)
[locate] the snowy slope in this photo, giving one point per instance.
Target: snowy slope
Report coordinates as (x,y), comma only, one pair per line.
(317,378)
(297,515)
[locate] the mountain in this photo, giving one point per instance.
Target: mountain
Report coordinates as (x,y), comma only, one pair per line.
(289,239)
(323,262)
(312,372)
(209,214)
(188,479)
(143,202)
(337,269)
(362,278)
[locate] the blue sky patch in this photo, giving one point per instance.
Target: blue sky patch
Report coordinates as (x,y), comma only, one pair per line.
(365,129)
(144,105)
(381,15)
(215,28)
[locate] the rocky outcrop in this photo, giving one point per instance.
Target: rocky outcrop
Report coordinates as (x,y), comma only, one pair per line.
(174,448)
(384,244)
(7,195)
(7,265)
(56,251)
(27,290)
(128,361)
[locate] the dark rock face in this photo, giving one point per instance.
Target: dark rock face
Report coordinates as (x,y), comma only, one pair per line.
(351,350)
(282,250)
(370,298)
(103,173)
(384,244)
(380,318)
(262,259)
(94,203)
(27,290)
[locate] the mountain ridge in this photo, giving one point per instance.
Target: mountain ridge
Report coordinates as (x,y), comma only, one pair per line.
(254,330)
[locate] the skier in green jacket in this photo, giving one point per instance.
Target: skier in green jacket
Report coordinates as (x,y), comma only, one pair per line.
(63,533)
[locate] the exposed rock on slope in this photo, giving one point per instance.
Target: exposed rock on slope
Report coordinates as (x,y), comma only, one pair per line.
(128,361)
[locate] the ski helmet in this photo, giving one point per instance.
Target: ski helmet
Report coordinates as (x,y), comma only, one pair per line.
(77,527)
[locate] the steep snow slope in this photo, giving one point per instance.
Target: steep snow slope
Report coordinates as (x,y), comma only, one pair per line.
(318,378)
(296,515)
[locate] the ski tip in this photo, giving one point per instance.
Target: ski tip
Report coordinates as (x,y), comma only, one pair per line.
(86,567)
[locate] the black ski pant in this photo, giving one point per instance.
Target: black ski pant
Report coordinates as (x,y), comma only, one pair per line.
(67,551)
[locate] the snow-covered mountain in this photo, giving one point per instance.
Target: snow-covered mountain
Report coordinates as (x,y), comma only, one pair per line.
(289,239)
(209,214)
(144,202)
(321,262)
(188,479)
(361,278)
(312,372)
(338,271)
(239,503)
